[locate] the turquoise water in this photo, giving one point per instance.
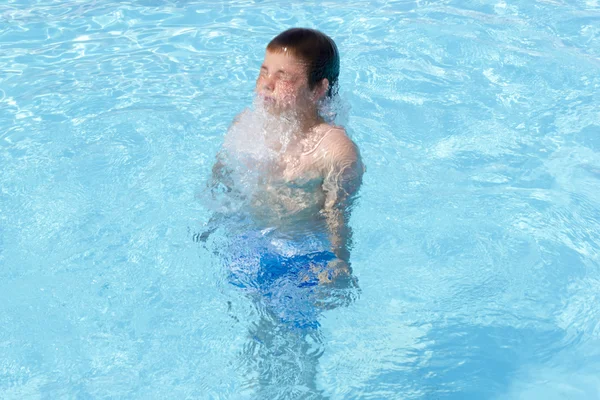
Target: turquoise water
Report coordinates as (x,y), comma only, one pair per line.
(476,236)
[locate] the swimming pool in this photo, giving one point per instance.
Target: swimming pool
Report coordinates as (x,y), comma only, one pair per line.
(476,236)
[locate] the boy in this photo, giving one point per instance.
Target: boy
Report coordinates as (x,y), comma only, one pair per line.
(315,168)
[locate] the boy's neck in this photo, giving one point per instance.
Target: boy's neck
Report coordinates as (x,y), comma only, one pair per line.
(307,121)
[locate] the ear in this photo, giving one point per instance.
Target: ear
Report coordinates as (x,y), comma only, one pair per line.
(321,89)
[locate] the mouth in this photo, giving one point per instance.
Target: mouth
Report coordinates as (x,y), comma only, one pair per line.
(270,101)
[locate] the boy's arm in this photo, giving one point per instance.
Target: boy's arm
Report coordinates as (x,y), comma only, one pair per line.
(220,176)
(342,181)
(219,182)
(220,173)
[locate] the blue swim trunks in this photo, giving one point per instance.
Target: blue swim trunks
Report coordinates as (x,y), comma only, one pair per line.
(280,273)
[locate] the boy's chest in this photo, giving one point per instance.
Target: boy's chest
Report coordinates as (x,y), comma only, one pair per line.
(299,168)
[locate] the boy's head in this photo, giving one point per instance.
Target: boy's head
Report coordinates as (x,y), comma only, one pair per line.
(301,66)
(317,50)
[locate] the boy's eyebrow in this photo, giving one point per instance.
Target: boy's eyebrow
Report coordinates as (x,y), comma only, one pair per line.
(278,71)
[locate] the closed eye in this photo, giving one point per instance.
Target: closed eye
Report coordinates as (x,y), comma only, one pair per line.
(285,76)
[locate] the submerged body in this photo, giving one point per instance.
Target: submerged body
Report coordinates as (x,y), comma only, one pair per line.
(284,182)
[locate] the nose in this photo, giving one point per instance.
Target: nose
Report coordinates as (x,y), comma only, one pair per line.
(268,83)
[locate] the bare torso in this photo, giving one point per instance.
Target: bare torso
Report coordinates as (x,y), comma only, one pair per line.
(293,181)
(295,187)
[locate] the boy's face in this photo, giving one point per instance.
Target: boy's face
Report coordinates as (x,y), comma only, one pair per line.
(282,83)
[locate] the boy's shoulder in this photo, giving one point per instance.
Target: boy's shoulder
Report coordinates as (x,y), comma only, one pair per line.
(245,112)
(336,139)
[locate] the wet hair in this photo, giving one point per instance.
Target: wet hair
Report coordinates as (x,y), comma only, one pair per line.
(314,48)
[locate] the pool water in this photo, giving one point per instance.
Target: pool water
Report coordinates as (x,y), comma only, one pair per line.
(476,255)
